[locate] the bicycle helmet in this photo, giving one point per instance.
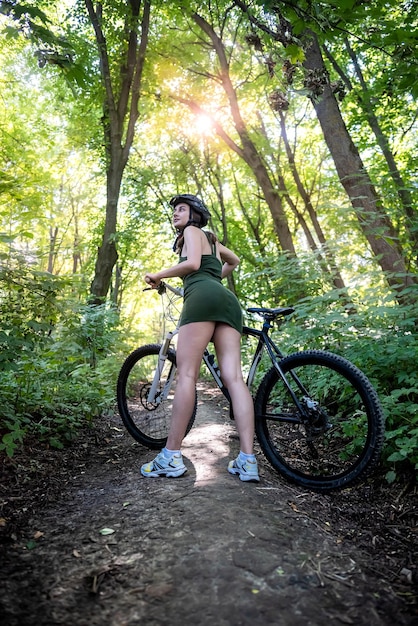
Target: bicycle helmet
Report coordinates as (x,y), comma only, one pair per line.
(194,203)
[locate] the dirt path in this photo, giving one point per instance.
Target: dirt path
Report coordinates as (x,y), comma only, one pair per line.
(204,549)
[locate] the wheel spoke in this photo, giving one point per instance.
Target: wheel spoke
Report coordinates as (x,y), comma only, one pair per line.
(147,421)
(338,431)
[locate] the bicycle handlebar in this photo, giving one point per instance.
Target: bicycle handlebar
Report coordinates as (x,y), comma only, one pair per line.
(162,288)
(178,291)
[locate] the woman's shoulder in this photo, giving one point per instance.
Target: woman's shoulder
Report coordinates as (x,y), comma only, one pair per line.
(194,239)
(195,232)
(192,231)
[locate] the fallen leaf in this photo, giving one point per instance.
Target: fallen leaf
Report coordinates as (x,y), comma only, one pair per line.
(158,590)
(38,534)
(107,531)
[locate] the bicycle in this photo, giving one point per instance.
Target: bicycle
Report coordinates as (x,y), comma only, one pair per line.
(318,419)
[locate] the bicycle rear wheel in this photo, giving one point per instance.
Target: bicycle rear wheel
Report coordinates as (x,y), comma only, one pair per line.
(332,435)
(147,422)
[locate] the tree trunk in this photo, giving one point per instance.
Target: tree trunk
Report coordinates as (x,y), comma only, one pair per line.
(116,288)
(107,253)
(329,264)
(120,113)
(76,240)
(53,234)
(374,222)
(403,192)
(248,150)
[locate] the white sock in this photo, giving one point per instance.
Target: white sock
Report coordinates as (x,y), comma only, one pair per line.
(169,453)
(247,457)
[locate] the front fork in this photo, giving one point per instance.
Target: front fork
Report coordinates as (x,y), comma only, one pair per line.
(153,398)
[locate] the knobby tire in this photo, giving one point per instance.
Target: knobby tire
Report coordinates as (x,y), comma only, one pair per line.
(340,442)
(147,423)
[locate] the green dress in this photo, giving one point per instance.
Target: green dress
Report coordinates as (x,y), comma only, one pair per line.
(206,299)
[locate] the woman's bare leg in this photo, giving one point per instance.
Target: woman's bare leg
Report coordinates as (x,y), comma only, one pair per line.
(192,341)
(227,342)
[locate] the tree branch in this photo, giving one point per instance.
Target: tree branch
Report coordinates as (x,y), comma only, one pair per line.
(104,59)
(136,86)
(127,69)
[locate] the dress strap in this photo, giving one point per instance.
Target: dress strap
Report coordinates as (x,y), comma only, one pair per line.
(212,244)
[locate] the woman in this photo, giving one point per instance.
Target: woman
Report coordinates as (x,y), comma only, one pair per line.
(211,312)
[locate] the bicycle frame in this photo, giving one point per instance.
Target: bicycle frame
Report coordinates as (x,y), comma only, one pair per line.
(317,417)
(208,359)
(162,357)
(153,397)
(265,342)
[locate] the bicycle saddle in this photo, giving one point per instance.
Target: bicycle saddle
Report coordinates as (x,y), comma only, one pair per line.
(271,314)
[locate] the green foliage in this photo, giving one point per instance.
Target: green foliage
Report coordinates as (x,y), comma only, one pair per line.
(34,24)
(380,337)
(27,309)
(58,366)
(58,358)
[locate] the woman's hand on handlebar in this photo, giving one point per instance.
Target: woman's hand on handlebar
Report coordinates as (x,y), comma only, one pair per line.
(152,280)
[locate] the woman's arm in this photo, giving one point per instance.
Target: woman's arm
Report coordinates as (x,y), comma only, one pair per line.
(229,258)
(193,245)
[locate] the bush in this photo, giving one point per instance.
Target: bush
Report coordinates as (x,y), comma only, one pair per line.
(58,366)
(380,337)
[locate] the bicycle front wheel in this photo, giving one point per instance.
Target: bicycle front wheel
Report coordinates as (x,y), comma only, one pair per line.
(328,431)
(148,422)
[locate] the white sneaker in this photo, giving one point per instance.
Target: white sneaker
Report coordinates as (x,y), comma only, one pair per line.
(247,470)
(161,466)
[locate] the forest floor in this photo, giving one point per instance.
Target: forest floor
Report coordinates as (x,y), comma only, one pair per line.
(86,541)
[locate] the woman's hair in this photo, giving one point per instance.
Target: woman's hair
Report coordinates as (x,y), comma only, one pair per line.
(196,221)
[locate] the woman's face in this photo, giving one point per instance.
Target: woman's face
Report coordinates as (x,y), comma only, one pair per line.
(181,214)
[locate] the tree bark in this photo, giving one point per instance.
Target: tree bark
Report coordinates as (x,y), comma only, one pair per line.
(329,264)
(375,223)
(53,234)
(120,113)
(247,150)
(403,192)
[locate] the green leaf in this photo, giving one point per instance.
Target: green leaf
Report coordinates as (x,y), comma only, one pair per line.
(294,53)
(391,476)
